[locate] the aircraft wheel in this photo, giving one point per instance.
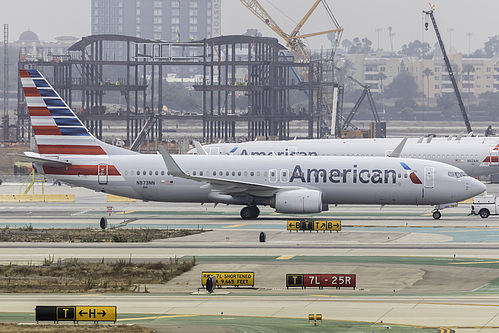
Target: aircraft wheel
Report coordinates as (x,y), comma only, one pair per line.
(250,212)
(255,212)
(437,215)
(484,213)
(246,213)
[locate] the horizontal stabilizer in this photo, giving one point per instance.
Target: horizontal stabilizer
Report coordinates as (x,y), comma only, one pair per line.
(35,158)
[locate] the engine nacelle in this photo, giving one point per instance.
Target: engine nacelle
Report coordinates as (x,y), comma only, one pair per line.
(301,201)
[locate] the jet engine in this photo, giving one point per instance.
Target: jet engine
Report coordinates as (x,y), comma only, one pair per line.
(297,201)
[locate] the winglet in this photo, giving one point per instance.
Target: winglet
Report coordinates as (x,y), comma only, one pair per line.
(199,149)
(171,165)
(396,152)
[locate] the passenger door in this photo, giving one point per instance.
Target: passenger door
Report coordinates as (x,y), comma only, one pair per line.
(429,177)
(102,174)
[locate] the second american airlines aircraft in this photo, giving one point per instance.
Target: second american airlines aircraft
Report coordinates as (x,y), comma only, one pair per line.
(477,156)
(292,185)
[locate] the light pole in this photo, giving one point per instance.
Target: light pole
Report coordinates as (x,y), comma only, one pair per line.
(469,35)
(450,30)
(378,30)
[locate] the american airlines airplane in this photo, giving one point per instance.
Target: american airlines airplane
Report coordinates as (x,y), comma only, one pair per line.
(477,156)
(292,185)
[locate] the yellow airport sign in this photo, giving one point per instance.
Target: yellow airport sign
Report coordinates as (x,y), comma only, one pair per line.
(96,313)
(317,225)
(65,313)
(294,225)
(230,278)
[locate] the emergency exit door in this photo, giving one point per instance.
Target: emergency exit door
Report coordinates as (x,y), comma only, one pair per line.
(102,174)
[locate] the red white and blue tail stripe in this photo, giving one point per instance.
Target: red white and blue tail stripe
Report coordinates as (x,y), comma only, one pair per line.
(58,131)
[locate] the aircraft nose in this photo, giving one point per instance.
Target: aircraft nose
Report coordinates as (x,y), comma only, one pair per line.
(477,187)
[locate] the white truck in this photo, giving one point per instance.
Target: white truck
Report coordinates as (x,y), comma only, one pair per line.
(485,205)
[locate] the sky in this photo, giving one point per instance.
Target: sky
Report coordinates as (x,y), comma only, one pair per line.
(359,18)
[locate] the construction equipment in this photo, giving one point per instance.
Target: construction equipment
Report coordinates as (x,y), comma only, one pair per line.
(365,92)
(449,68)
(293,39)
(143,133)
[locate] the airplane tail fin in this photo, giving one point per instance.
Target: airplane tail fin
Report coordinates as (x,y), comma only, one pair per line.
(58,131)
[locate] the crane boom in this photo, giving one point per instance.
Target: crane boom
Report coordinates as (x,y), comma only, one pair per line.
(451,72)
(257,9)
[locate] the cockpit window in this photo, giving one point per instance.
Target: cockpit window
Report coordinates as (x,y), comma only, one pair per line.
(457,174)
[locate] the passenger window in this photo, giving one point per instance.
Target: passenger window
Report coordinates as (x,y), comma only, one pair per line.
(233,173)
(200,173)
(126,172)
(239,173)
(252,173)
(162,173)
(157,173)
(144,173)
(194,173)
(150,173)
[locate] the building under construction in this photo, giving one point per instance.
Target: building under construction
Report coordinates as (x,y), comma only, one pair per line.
(229,66)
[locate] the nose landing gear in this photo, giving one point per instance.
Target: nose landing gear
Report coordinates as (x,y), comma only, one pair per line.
(437,214)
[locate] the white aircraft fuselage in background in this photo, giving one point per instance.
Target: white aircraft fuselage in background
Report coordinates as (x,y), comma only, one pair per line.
(295,185)
(477,156)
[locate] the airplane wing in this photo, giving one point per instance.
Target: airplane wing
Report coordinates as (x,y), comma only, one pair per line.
(34,157)
(225,186)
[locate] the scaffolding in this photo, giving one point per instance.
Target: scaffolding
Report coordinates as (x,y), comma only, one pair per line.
(80,76)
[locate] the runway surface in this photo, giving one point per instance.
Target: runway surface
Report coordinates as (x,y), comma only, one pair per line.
(411,270)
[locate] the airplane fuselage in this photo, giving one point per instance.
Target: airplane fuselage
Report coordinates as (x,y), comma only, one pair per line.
(476,156)
(342,180)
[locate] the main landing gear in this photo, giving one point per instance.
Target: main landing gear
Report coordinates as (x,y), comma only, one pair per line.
(250,212)
(437,215)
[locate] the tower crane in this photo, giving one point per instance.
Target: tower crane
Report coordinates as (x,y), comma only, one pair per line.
(449,68)
(294,38)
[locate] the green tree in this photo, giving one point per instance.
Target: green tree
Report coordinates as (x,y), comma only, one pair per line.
(363,46)
(446,103)
(403,86)
(415,49)
(491,47)
(427,72)
(468,69)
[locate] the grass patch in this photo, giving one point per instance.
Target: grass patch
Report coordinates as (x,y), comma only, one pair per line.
(90,235)
(76,276)
(73,328)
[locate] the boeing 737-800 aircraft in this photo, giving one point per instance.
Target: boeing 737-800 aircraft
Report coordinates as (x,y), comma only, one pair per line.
(293,185)
(477,156)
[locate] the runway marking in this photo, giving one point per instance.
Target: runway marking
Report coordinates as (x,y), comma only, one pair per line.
(234,225)
(474,262)
(285,257)
(123,213)
(157,317)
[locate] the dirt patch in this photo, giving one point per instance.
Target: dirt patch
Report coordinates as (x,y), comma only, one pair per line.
(90,235)
(73,276)
(73,328)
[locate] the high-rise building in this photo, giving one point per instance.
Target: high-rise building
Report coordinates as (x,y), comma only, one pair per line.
(168,20)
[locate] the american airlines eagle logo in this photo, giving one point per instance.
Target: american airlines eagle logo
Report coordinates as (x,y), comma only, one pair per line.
(412,176)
